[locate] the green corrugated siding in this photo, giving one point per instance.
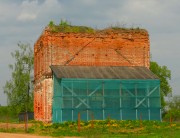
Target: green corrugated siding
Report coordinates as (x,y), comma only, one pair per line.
(103,98)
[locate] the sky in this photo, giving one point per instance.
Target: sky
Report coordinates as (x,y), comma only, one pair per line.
(24,20)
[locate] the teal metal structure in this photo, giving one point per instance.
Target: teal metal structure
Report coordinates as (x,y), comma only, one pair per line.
(101,92)
(120,99)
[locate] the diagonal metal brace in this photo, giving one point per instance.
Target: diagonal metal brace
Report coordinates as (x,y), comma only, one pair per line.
(134,96)
(146,97)
(76,95)
(88,96)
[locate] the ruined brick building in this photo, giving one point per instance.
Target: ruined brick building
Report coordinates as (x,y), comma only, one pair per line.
(65,54)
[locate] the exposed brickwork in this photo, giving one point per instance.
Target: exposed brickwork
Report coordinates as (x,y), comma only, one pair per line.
(104,48)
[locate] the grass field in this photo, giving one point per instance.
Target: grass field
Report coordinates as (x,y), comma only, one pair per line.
(97,128)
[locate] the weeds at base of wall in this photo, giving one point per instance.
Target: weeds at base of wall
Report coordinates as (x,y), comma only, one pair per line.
(98,128)
(111,128)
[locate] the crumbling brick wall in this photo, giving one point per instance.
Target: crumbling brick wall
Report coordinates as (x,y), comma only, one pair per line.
(103,48)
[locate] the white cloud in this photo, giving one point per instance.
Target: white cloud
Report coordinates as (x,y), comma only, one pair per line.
(7,11)
(29,10)
(50,8)
(87,2)
(144,7)
(32,10)
(27,16)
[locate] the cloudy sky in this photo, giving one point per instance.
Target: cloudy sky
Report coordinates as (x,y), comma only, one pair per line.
(24,20)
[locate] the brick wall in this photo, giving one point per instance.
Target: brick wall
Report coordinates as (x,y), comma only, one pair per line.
(104,48)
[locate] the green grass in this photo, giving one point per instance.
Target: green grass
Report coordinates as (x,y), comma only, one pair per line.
(85,29)
(110,128)
(66,27)
(106,129)
(71,29)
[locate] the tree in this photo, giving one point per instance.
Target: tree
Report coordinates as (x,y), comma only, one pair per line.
(173,108)
(17,88)
(164,75)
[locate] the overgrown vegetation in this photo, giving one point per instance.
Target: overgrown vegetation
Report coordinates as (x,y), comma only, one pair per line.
(124,27)
(7,114)
(106,128)
(173,109)
(66,27)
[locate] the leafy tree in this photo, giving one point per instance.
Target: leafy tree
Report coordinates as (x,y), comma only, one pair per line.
(17,88)
(173,108)
(164,75)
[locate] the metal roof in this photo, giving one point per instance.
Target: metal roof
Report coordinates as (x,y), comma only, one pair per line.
(102,72)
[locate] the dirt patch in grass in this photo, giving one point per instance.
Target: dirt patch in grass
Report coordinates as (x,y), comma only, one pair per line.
(12,135)
(11,125)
